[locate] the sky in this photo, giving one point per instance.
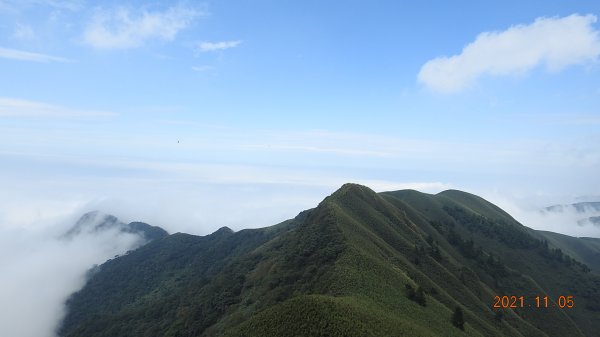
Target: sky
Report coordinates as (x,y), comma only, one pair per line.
(196,115)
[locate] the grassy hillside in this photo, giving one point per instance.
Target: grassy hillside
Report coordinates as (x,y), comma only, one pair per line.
(586,250)
(399,263)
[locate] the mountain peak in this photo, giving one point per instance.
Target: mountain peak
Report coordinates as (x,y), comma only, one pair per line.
(223,231)
(93,221)
(96,222)
(353,189)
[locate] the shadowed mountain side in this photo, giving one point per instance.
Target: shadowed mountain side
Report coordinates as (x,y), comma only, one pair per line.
(586,250)
(360,264)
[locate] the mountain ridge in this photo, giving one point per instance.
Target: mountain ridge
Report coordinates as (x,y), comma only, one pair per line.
(96,221)
(338,268)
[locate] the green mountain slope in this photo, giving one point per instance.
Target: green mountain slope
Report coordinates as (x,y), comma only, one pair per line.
(360,264)
(586,250)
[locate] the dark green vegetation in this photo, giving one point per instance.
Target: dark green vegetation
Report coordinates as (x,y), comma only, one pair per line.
(360,264)
(586,250)
(458,319)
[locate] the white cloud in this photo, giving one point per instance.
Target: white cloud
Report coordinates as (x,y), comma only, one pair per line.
(12,107)
(553,42)
(122,29)
(215,46)
(30,255)
(28,56)
(568,221)
(202,68)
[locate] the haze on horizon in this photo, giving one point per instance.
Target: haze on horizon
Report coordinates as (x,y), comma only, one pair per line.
(196,115)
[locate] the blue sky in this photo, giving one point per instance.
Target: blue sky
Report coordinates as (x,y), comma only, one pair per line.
(196,115)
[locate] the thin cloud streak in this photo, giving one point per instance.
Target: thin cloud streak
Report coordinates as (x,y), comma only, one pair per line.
(13,107)
(15,54)
(72,5)
(21,5)
(317,149)
(202,68)
(215,46)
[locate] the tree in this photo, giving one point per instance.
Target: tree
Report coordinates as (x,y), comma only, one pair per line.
(457,318)
(417,296)
(499,315)
(410,291)
(420,296)
(435,252)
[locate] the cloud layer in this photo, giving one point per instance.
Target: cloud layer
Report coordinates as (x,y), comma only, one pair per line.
(122,28)
(552,42)
(40,270)
(567,221)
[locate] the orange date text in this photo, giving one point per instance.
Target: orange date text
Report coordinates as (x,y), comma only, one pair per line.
(513,302)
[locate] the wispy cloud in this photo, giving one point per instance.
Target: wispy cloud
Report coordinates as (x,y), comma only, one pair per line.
(23,32)
(72,5)
(122,28)
(215,46)
(12,107)
(553,42)
(202,68)
(21,55)
(18,5)
(321,149)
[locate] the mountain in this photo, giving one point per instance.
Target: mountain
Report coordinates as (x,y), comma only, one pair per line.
(579,207)
(97,222)
(361,263)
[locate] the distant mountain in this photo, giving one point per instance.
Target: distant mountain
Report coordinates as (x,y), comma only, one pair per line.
(361,263)
(593,220)
(580,207)
(96,222)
